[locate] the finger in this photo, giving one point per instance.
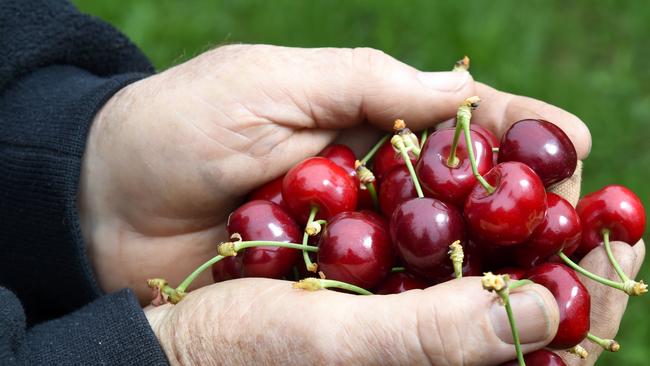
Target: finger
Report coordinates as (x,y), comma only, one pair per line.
(607,304)
(499,110)
(455,323)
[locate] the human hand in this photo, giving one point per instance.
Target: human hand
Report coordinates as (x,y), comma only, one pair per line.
(170,156)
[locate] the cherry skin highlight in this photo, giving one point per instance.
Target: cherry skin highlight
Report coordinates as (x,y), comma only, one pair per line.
(542,357)
(451,184)
(355,248)
(397,283)
(511,213)
(560,230)
(614,208)
(271,191)
(264,220)
(321,183)
(572,298)
(396,187)
(542,146)
(342,156)
(386,159)
(422,230)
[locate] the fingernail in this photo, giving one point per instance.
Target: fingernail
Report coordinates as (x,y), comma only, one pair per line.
(444,81)
(531,316)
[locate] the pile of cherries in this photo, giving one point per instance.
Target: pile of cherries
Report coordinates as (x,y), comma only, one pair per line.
(384,224)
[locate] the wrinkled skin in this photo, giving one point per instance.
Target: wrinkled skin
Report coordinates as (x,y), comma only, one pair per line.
(169,157)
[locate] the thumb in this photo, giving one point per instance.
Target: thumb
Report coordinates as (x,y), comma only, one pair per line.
(459,323)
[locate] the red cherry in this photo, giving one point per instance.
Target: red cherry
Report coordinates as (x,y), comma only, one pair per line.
(355,248)
(365,199)
(318,182)
(542,146)
(487,134)
(494,256)
(397,283)
(514,272)
(343,156)
(542,357)
(264,220)
(226,269)
(396,187)
(511,213)
(271,191)
(560,230)
(451,185)
(422,230)
(386,159)
(614,208)
(572,298)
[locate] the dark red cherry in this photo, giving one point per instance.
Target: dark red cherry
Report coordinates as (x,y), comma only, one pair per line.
(542,357)
(514,272)
(365,201)
(270,191)
(560,230)
(343,156)
(494,256)
(386,159)
(422,230)
(614,208)
(396,187)
(265,220)
(226,269)
(397,283)
(451,184)
(355,248)
(511,213)
(572,299)
(542,146)
(472,265)
(318,182)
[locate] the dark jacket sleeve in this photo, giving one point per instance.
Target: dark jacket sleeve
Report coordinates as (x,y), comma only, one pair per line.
(57,68)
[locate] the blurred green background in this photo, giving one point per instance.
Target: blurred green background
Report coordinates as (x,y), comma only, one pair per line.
(588,57)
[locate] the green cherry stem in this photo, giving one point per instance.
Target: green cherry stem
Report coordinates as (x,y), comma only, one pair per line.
(464,122)
(612,259)
(423,137)
(452,160)
(398,142)
(305,238)
(518,283)
(456,254)
(495,150)
(397,269)
(315,284)
(373,195)
(606,344)
(374,149)
(513,327)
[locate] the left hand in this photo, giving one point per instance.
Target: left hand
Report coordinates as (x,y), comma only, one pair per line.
(170,156)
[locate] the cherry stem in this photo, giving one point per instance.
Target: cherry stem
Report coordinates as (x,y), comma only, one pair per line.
(518,283)
(412,147)
(513,326)
(374,149)
(373,195)
(593,276)
(606,344)
(470,153)
(612,259)
(453,160)
(188,281)
(305,238)
(423,137)
(397,269)
(315,284)
(495,149)
(456,254)
(398,143)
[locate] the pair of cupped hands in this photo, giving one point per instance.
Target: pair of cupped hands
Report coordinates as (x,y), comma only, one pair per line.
(169,157)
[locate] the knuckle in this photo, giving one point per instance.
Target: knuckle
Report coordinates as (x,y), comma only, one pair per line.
(370,61)
(434,325)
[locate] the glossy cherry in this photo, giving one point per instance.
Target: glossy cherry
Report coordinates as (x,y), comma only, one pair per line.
(400,282)
(396,187)
(365,201)
(451,184)
(560,230)
(572,298)
(264,220)
(511,213)
(318,182)
(271,191)
(422,230)
(226,269)
(487,134)
(386,159)
(542,146)
(355,248)
(343,156)
(614,208)
(542,357)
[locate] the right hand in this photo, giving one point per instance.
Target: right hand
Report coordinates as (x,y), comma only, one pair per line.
(257,321)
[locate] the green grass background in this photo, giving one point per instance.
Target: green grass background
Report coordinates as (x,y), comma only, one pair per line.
(588,57)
